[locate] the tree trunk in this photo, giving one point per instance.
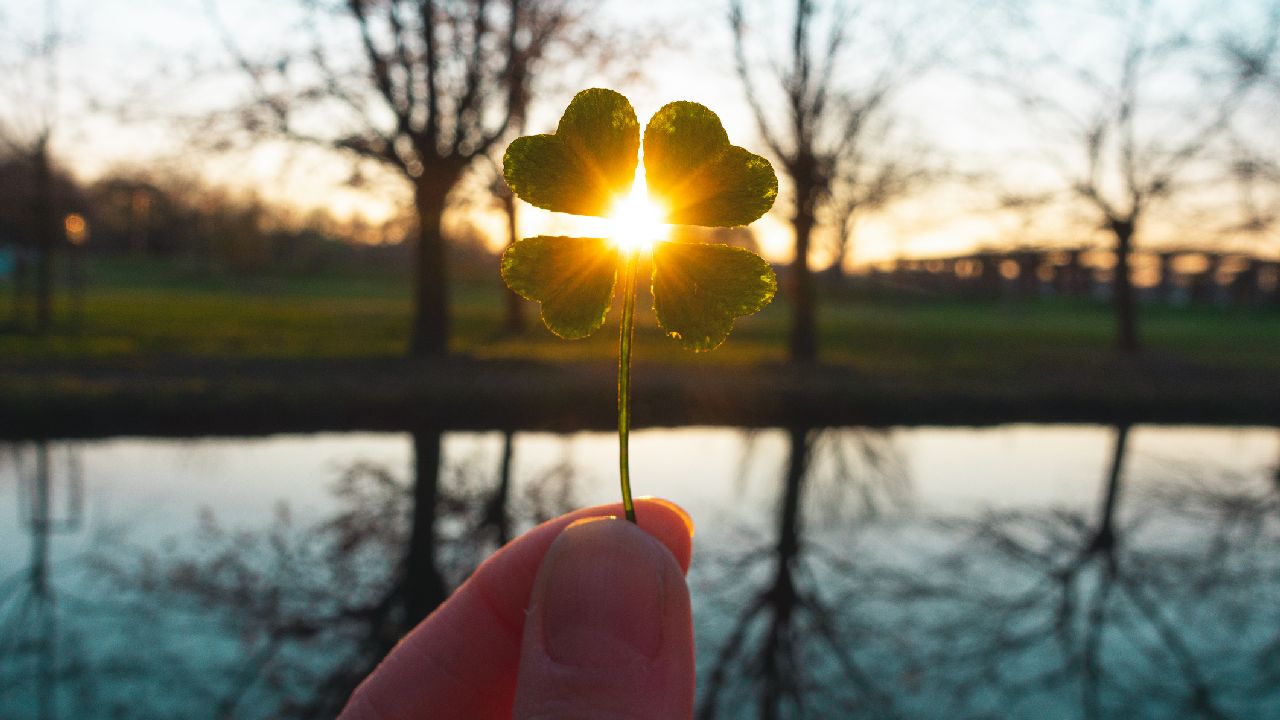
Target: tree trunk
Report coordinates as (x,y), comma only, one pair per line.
(513,322)
(803,341)
(1276,477)
(430,334)
(496,512)
(1104,539)
(20,290)
(782,596)
(45,238)
(1122,292)
(423,584)
(835,271)
(789,532)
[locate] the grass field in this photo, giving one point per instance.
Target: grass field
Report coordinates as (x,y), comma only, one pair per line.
(154,309)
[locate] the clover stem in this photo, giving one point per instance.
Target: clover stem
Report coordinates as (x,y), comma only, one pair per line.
(624,380)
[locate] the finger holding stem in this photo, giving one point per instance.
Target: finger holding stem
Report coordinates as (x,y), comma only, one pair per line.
(624,380)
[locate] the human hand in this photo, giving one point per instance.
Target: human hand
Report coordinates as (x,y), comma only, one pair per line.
(581,617)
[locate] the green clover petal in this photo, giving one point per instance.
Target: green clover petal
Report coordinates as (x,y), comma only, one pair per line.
(573,278)
(588,162)
(699,289)
(694,172)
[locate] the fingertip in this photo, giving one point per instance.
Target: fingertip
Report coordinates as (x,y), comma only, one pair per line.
(609,629)
(681,512)
(670,524)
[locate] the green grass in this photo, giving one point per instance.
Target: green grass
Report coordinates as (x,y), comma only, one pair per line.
(149,308)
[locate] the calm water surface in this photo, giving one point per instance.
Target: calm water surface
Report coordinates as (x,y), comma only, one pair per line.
(1007,572)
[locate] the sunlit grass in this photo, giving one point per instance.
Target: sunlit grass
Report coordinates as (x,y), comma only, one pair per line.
(157,310)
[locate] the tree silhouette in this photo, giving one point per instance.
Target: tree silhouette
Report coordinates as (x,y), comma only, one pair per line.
(438,85)
(293,615)
(27,130)
(1137,123)
(1255,156)
(785,652)
(833,107)
(1156,600)
(596,51)
(1106,614)
(36,652)
(873,173)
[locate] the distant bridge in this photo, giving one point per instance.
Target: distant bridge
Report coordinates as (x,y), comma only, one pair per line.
(1176,276)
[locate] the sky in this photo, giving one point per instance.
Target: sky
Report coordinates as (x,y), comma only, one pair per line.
(120,50)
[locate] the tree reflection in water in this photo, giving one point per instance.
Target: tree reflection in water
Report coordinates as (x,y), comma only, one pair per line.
(1160,598)
(1166,610)
(314,608)
(789,650)
(35,650)
(1163,601)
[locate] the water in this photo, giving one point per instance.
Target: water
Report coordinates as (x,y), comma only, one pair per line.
(1012,572)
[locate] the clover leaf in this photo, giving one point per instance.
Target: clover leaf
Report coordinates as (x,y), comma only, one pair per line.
(692,168)
(573,278)
(589,160)
(693,173)
(699,289)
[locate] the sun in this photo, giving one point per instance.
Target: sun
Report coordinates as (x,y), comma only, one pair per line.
(637,222)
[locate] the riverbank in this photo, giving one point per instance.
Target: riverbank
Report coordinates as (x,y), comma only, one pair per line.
(245,397)
(158,348)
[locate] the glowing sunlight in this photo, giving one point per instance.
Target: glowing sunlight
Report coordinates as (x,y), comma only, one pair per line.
(636,222)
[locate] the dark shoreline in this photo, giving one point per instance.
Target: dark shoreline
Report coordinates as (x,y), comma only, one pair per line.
(177,397)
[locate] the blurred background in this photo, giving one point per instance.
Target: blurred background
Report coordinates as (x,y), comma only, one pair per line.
(1007,443)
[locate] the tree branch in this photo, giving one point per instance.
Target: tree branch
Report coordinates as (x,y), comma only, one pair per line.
(737,23)
(428,143)
(380,66)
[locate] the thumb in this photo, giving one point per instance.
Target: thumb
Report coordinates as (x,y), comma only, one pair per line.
(609,632)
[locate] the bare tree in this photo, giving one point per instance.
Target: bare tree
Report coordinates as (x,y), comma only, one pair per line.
(1255,150)
(315,605)
(26,135)
(873,173)
(597,51)
(434,86)
(513,319)
(1135,120)
(785,652)
(829,113)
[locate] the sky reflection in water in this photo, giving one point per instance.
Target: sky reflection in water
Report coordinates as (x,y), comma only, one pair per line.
(916,572)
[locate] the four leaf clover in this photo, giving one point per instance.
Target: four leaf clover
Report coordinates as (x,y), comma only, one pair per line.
(692,171)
